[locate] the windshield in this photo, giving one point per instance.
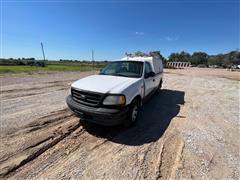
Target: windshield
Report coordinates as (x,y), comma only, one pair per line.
(124,68)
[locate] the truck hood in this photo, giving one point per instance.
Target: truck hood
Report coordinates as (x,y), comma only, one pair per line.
(104,83)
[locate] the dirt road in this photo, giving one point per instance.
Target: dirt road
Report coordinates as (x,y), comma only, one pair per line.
(191,130)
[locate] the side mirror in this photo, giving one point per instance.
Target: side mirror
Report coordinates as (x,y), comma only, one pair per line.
(150,74)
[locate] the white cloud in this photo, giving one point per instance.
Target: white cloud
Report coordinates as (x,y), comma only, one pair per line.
(173,38)
(139,33)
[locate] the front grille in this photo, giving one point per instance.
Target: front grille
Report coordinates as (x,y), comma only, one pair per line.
(86,98)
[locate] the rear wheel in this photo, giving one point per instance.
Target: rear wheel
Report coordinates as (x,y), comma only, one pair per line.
(132,113)
(159,87)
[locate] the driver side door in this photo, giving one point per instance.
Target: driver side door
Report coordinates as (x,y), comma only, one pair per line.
(148,80)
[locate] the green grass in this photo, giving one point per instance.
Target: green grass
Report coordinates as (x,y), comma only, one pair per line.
(50,67)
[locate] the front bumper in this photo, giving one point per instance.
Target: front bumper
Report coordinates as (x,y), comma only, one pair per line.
(98,115)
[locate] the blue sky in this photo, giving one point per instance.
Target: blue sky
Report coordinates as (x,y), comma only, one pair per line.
(71,29)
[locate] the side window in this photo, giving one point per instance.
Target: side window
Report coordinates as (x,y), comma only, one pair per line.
(148,68)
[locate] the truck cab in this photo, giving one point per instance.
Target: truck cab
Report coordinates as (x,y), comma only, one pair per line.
(115,95)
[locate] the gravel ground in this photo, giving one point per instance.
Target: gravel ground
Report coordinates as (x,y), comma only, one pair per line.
(189,131)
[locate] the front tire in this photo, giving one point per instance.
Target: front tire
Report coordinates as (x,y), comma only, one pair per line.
(133,112)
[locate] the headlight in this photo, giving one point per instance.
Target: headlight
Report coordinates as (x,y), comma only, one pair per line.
(115,100)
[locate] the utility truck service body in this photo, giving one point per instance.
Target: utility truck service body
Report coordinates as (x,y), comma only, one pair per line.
(115,95)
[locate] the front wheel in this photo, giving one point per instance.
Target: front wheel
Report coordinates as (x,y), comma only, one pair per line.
(132,113)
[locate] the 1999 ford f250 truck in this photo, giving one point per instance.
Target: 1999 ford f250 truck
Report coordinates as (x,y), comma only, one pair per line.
(115,95)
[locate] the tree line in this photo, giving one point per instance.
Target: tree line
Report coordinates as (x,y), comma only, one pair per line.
(22,62)
(197,58)
(201,58)
(42,63)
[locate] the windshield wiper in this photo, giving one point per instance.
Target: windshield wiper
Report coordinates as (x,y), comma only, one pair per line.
(121,75)
(115,74)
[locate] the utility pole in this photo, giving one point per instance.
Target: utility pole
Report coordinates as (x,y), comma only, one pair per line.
(93,60)
(43,51)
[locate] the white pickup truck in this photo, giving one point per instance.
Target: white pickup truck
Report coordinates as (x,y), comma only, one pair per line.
(115,95)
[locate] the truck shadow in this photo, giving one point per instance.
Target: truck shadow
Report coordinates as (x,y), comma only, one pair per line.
(154,118)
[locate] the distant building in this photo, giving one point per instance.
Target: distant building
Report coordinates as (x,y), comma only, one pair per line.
(178,64)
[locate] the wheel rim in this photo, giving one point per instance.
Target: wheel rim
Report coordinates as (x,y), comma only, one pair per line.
(134,113)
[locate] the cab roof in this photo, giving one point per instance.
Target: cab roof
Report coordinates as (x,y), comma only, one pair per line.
(139,58)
